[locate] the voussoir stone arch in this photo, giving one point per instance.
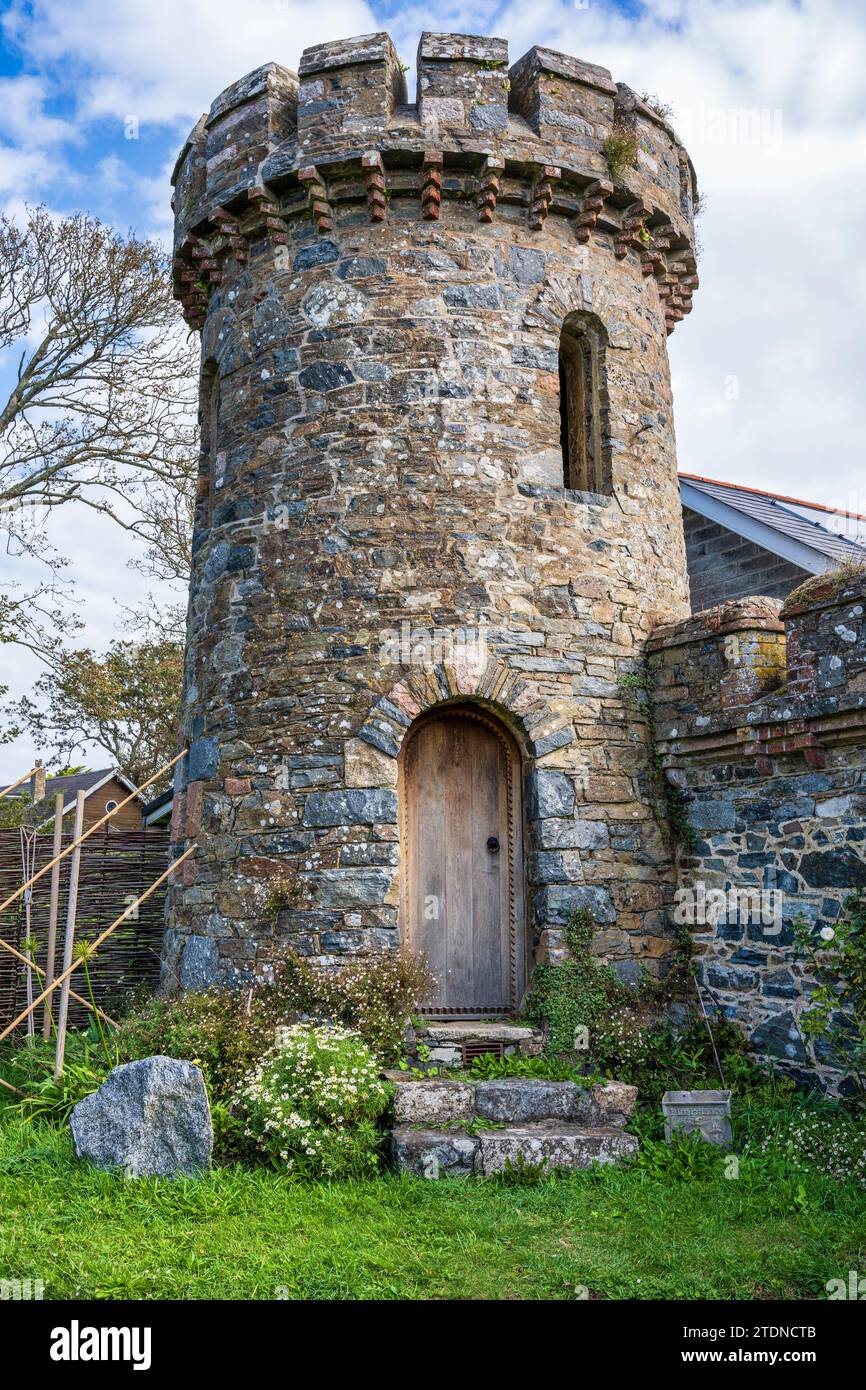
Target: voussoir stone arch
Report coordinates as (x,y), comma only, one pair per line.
(561,296)
(489,682)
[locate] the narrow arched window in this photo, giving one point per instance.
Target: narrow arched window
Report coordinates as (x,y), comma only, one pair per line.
(583,425)
(208,415)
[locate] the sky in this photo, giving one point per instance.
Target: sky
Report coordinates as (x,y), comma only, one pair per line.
(96,98)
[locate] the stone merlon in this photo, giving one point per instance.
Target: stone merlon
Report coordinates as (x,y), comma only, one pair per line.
(278,145)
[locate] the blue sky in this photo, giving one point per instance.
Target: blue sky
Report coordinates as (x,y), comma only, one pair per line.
(768,370)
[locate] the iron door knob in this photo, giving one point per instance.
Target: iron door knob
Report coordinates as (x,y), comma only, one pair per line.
(493,845)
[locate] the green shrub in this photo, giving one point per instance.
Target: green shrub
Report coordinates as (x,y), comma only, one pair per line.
(578,993)
(209,1028)
(489,1067)
(312,1104)
(620,151)
(30,1068)
(660,1057)
(816,1137)
(688,1157)
(373,997)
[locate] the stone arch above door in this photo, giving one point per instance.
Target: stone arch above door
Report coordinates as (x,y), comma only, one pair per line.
(488,682)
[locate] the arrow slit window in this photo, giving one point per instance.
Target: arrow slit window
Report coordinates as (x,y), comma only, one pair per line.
(583,405)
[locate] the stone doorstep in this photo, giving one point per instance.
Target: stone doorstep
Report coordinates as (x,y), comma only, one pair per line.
(514,1100)
(436,1153)
(476,1031)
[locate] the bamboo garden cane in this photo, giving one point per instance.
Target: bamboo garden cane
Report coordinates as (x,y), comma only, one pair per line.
(29,851)
(7,902)
(13,785)
(10,1027)
(52,933)
(71,909)
(79,998)
(53,904)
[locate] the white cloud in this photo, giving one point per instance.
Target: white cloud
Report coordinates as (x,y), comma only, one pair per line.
(24,120)
(163,61)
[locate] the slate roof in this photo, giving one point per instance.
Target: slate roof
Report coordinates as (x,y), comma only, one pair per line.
(837,534)
(77,782)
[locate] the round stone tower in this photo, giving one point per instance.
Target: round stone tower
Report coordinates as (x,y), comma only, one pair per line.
(438,514)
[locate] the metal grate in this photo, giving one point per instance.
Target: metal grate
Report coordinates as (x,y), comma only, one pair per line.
(482,1049)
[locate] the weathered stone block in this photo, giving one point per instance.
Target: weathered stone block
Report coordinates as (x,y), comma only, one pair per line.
(150,1118)
(433,1102)
(350,807)
(519,1100)
(433,1153)
(555,1144)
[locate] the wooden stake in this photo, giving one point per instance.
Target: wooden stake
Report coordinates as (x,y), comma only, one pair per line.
(10,1027)
(7,902)
(53,904)
(79,999)
(71,909)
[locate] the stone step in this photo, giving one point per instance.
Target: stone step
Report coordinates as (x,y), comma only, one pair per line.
(514,1100)
(447,1039)
(436,1153)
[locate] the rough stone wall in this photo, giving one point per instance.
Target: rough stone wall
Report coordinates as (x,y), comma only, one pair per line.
(381,289)
(723,565)
(762,721)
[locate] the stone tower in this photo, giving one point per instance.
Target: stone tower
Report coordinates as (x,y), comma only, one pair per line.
(438,513)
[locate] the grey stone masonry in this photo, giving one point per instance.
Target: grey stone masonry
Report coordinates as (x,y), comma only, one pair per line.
(381,289)
(761,717)
(460,1127)
(723,565)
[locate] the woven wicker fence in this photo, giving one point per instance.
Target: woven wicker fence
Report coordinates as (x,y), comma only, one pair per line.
(116,866)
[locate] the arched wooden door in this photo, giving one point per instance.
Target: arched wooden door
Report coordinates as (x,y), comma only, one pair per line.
(462,883)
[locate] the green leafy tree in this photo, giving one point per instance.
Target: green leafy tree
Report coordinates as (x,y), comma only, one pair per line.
(125,702)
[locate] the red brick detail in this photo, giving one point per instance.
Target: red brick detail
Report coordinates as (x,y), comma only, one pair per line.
(431,185)
(488,188)
(542,195)
(374,182)
(193,809)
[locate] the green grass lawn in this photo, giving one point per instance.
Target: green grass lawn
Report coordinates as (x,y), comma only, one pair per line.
(671,1230)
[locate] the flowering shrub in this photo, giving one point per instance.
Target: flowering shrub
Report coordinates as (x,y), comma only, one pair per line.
(312,1104)
(660,1057)
(208,1028)
(374,997)
(830,1142)
(837,1013)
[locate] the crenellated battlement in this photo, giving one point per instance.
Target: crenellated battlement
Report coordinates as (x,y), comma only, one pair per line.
(339,139)
(757,680)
